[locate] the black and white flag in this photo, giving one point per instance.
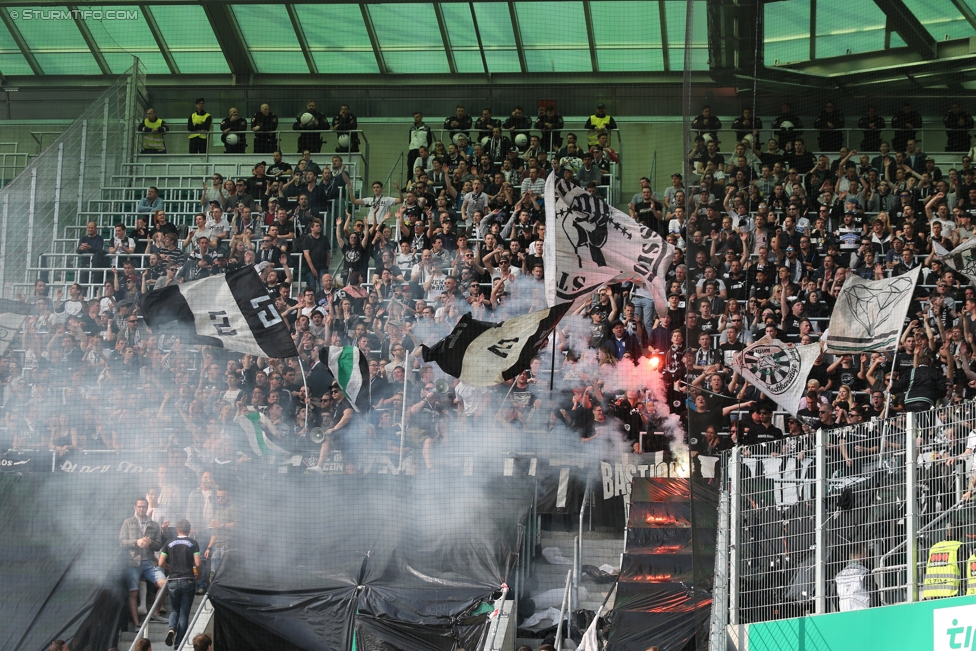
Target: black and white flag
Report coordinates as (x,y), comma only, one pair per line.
(483,354)
(232,311)
(12,316)
(869,314)
(589,243)
(778,369)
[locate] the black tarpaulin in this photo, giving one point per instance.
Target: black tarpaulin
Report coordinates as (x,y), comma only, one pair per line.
(403,561)
(664,588)
(60,561)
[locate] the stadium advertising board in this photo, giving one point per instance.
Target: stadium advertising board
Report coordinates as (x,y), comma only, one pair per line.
(939,625)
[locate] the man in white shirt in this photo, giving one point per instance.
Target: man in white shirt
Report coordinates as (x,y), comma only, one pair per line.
(218,227)
(474,201)
(379,205)
(121,245)
(534,184)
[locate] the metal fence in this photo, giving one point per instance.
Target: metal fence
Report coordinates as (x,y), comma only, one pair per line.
(879,494)
(59,182)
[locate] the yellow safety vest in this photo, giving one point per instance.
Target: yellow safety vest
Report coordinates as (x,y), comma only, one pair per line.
(199,119)
(152,140)
(971,575)
(942,577)
(593,137)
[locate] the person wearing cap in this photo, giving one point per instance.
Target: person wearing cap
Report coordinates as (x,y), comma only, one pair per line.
(677,185)
(257,186)
(199,124)
(598,123)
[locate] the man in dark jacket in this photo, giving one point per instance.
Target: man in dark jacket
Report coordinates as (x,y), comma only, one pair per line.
(923,385)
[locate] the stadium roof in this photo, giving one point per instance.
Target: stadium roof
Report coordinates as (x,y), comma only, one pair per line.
(346,38)
(372,40)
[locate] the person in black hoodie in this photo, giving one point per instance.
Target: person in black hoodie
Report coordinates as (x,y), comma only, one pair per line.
(923,385)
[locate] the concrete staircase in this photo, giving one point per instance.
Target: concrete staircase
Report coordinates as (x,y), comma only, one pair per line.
(156,633)
(599,548)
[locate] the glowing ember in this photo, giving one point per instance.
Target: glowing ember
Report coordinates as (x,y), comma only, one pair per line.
(652,578)
(664,520)
(667,549)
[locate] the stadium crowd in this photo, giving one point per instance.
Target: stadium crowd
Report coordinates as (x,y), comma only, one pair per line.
(765,235)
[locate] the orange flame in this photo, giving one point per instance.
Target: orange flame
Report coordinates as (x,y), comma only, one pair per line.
(663,520)
(653,578)
(667,549)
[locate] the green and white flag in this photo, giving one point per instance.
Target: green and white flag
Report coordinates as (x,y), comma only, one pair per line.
(256,427)
(351,370)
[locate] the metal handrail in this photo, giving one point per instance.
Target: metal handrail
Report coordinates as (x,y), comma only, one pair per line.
(141,633)
(562,611)
(881,567)
(578,555)
(214,138)
(495,616)
(189,626)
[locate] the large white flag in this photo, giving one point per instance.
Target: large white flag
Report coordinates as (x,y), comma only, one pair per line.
(589,243)
(869,314)
(777,369)
(961,259)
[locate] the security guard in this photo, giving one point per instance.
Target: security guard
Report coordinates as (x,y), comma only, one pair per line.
(598,123)
(199,127)
(153,128)
(971,575)
(943,577)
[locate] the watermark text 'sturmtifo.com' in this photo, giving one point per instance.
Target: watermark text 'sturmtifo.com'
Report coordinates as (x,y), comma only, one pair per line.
(74,14)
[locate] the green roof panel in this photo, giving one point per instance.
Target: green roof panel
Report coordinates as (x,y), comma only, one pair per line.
(638,48)
(942,19)
(497,37)
(12,61)
(838,35)
(57,43)
(190,39)
(550,49)
(787,32)
(271,39)
(344,48)
(464,40)
(123,33)
(409,38)
(676,15)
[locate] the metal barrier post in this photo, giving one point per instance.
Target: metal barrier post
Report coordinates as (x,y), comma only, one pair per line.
(57,188)
(104,142)
(821,536)
(911,525)
(3,245)
(81,163)
(735,518)
(31,214)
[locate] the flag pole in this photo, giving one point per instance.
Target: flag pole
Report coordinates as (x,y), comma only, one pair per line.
(403,412)
(891,378)
(308,398)
(552,365)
